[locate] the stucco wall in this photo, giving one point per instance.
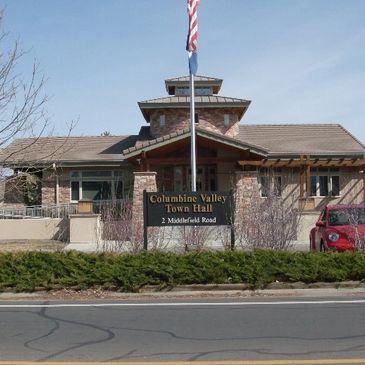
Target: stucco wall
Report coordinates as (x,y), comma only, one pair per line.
(85,228)
(37,229)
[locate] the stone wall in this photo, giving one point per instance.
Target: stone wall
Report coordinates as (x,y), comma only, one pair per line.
(142,181)
(246,189)
(64,193)
(209,119)
(48,188)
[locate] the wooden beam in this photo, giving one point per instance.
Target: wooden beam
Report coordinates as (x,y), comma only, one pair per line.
(186,160)
(303,162)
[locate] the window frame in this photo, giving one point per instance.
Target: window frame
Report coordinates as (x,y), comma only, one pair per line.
(330,174)
(111,176)
(274,182)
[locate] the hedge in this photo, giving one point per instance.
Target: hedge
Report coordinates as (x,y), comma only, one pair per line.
(125,272)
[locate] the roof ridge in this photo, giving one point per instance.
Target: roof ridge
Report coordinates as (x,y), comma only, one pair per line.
(290,124)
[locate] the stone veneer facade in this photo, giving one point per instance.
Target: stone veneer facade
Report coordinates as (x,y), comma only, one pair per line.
(246,189)
(179,119)
(142,181)
(49,188)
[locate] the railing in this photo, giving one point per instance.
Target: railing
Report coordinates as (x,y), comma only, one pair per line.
(59,210)
(39,211)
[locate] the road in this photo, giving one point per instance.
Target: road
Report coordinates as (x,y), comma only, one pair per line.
(181,329)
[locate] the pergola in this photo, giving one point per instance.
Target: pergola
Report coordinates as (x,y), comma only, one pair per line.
(304,163)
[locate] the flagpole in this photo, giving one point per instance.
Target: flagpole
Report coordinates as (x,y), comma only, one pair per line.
(192,130)
(191,47)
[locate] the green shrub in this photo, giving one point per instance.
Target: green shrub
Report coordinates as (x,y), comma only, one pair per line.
(126,272)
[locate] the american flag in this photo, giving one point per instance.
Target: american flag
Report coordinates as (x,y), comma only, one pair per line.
(192,41)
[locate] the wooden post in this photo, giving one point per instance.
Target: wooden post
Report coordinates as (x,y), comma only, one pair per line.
(301,182)
(308,180)
(363,184)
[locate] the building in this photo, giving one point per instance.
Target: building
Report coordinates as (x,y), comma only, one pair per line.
(313,164)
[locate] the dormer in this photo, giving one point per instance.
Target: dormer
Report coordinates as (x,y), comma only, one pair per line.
(203,86)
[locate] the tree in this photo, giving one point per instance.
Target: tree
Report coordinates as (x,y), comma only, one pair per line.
(22,111)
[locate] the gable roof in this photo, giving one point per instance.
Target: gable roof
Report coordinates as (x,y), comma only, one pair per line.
(148,145)
(306,139)
(262,139)
(90,150)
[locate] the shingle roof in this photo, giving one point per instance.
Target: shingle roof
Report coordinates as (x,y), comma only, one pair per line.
(95,149)
(185,133)
(271,140)
(197,78)
(212,101)
(311,139)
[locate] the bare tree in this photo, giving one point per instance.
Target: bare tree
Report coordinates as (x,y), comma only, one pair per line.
(21,101)
(22,114)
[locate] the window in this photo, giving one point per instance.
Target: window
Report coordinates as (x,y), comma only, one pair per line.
(270,183)
(206,178)
(203,91)
(162,120)
(226,120)
(178,178)
(325,182)
(185,91)
(182,91)
(264,186)
(75,190)
(99,185)
(96,190)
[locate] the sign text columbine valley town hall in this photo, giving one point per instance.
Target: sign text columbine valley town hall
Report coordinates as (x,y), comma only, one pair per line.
(188,208)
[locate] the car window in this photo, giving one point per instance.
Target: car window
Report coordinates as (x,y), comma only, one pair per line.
(349,216)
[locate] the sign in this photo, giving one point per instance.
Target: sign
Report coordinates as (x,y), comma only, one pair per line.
(188,209)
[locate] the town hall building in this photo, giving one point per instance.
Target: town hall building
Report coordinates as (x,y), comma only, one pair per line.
(312,164)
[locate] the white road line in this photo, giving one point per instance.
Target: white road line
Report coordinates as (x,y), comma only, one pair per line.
(182,304)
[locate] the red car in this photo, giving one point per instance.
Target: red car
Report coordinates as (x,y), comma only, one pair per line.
(339,227)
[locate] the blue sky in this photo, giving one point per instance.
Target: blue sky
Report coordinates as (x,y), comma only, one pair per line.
(299,61)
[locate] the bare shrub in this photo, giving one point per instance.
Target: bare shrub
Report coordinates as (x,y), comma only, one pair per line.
(223,235)
(116,229)
(267,223)
(160,238)
(194,238)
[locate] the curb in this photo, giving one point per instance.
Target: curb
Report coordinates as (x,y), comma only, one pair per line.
(247,287)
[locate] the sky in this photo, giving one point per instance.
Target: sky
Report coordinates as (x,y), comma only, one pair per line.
(298,61)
